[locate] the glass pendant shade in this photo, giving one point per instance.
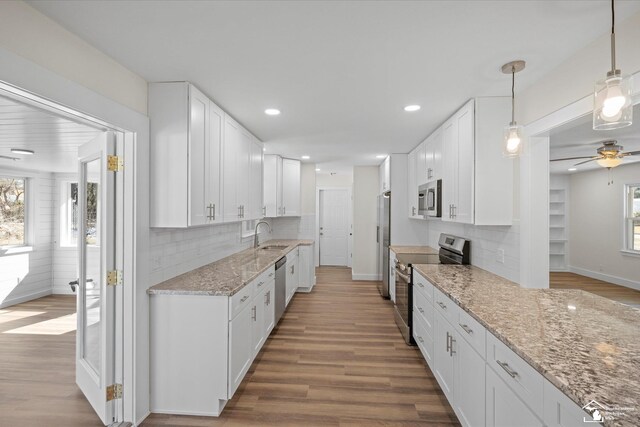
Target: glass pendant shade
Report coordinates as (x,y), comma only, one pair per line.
(512,140)
(609,162)
(612,108)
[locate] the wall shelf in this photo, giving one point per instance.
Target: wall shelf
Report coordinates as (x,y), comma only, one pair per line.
(557,230)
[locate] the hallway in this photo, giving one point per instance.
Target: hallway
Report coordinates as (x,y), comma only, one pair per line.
(336,359)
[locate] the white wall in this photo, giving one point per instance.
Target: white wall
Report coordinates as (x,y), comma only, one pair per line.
(596,226)
(65,258)
(308,188)
(27,274)
(365,221)
(34,36)
(340,179)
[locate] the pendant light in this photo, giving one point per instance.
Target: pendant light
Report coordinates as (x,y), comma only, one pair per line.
(612,107)
(513,132)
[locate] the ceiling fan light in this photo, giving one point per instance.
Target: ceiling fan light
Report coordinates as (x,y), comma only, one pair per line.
(613,108)
(609,162)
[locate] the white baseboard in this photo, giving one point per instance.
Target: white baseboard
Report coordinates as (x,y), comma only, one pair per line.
(606,278)
(367,277)
(142,418)
(25,298)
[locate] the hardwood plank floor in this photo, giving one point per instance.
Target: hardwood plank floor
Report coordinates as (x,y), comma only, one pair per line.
(562,280)
(336,359)
(37,366)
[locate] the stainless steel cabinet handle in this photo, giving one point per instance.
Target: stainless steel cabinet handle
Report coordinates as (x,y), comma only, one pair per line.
(260,284)
(451,350)
(244,298)
(448,344)
(284,210)
(266,298)
(270,274)
(466,328)
(253,313)
(214,212)
(507,368)
(443,306)
(239,216)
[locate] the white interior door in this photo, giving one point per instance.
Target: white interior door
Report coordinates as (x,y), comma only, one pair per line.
(334,227)
(96,301)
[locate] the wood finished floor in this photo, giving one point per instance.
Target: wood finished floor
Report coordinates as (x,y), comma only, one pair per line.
(336,359)
(562,280)
(37,366)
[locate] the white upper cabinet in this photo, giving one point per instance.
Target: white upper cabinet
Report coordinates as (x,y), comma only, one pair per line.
(184,156)
(421,164)
(281,186)
(385,175)
(433,155)
(290,187)
(412,184)
(256,201)
(230,155)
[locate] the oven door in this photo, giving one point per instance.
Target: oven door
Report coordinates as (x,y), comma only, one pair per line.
(403,302)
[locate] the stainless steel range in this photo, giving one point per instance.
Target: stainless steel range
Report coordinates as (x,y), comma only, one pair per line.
(453,250)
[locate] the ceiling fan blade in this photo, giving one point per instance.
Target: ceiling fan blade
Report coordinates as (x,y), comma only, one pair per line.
(631,153)
(587,161)
(574,158)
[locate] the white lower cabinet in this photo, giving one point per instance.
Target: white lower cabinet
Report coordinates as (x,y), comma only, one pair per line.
(504,407)
(269,308)
(307,268)
(293,275)
(468,384)
(392,276)
(240,346)
(444,362)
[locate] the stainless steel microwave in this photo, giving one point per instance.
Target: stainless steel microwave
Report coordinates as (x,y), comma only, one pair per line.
(430,199)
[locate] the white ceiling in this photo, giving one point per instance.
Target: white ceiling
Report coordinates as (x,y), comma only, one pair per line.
(54,139)
(341,72)
(578,138)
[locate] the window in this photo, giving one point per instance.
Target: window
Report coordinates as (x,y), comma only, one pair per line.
(69,214)
(632,217)
(12,211)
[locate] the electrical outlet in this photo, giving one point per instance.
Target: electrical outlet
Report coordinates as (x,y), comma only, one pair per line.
(155,263)
(500,256)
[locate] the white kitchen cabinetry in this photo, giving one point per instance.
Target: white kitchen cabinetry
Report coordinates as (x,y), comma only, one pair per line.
(236,154)
(443,358)
(293,277)
(385,175)
(307,268)
(469,383)
(412,185)
(392,276)
(433,155)
(281,186)
(256,199)
(186,134)
(269,309)
(560,411)
(290,187)
(240,346)
(504,408)
(421,164)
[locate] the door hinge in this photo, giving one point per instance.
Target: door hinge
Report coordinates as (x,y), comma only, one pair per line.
(114,277)
(114,391)
(115,163)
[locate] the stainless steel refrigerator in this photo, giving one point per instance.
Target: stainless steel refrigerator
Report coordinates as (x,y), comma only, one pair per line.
(383,238)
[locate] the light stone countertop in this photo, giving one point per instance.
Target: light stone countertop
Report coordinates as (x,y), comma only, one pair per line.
(413,250)
(227,276)
(586,345)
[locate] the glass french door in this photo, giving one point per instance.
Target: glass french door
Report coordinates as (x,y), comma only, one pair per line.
(96,300)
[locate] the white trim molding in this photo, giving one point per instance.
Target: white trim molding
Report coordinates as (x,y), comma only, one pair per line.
(606,277)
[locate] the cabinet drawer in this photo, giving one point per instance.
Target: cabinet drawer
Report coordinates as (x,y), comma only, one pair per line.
(422,285)
(423,308)
(238,301)
(263,279)
(423,337)
(525,381)
(444,305)
(472,331)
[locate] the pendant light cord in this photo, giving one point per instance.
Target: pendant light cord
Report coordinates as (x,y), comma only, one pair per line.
(613,37)
(513,94)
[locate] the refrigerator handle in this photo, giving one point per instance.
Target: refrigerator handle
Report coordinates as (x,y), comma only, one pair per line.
(378,234)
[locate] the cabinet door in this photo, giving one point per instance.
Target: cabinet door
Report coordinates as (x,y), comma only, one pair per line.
(412,187)
(258,326)
(240,347)
(392,276)
(269,309)
(464,204)
(469,384)
(443,359)
(304,259)
(214,169)
(198,156)
(243,174)
(382,187)
(230,154)
(290,187)
(421,164)
(503,407)
(436,151)
(270,184)
(256,208)
(428,152)
(449,168)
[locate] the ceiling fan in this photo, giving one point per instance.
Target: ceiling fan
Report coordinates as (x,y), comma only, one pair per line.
(609,155)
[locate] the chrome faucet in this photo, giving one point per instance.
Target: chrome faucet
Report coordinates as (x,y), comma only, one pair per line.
(255,236)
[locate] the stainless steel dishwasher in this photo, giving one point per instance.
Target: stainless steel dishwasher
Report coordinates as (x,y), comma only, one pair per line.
(281,287)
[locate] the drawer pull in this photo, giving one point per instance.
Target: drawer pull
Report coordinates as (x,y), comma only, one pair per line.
(421,285)
(420,310)
(466,328)
(507,369)
(420,339)
(443,306)
(270,274)
(260,284)
(244,298)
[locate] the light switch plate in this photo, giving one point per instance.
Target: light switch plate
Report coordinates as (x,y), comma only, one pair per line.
(500,256)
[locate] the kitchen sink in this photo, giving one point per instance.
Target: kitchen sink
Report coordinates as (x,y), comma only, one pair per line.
(274,247)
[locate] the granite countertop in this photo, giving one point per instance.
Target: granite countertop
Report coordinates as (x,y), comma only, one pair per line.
(227,276)
(413,250)
(586,345)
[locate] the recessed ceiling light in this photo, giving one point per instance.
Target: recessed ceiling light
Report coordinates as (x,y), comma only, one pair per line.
(317,169)
(381,156)
(410,108)
(272,111)
(22,151)
(572,169)
(305,157)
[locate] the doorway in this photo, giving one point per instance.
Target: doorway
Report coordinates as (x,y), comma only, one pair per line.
(334,225)
(59,235)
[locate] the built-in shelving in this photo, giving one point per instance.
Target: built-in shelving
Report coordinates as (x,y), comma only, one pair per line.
(557,230)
